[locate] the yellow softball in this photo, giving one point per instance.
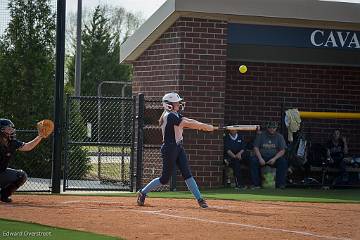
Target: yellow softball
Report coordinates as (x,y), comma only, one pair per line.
(242,69)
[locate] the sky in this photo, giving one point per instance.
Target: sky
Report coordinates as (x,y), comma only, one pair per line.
(145,7)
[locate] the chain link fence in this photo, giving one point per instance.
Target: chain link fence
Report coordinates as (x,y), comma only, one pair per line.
(36,163)
(99,145)
(152,161)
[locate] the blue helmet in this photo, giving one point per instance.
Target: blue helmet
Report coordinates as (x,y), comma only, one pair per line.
(7,128)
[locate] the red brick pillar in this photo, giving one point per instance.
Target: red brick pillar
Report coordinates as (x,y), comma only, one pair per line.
(190,58)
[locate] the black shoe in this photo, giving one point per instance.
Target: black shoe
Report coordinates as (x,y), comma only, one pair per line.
(6,199)
(202,203)
(5,196)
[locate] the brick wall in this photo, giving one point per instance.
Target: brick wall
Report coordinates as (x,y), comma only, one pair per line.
(258,96)
(190,58)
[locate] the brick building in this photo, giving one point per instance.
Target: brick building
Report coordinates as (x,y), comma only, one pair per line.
(299,54)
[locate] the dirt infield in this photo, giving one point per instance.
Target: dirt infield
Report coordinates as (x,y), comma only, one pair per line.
(183,219)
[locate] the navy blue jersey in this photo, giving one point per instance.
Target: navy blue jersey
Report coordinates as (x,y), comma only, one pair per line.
(7,153)
(172,132)
(234,145)
(336,151)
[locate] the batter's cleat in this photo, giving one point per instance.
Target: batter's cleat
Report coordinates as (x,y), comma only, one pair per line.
(202,203)
(141,198)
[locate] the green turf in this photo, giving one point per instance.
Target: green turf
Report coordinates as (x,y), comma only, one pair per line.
(19,230)
(291,195)
(269,194)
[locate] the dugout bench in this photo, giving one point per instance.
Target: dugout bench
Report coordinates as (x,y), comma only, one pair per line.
(323,168)
(326,171)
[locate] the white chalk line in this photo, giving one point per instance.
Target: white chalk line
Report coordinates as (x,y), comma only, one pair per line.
(248,226)
(89,201)
(160,213)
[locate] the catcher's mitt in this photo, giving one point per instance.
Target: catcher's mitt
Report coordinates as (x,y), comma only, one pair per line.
(45,128)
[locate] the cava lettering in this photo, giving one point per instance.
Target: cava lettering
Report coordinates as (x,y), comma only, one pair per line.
(335,39)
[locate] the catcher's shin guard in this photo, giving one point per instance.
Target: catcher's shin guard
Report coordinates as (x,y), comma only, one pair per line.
(7,191)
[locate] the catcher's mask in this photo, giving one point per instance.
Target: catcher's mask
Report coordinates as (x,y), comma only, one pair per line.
(171,98)
(7,129)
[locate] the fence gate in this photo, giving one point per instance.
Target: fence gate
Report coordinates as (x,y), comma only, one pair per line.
(99,144)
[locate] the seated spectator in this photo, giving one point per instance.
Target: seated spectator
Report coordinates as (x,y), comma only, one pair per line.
(337,149)
(269,149)
(234,148)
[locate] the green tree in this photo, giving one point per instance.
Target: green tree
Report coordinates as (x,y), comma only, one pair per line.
(27,63)
(27,76)
(101,38)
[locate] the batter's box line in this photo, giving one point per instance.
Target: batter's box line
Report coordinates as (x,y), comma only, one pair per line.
(247,226)
(89,201)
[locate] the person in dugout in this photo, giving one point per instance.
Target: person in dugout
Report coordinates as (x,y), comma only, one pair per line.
(234,147)
(11,179)
(337,149)
(269,148)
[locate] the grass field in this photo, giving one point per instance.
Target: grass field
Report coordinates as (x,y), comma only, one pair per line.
(20,230)
(111,171)
(291,195)
(286,195)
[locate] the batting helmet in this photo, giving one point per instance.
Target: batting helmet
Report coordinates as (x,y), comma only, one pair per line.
(7,128)
(170,98)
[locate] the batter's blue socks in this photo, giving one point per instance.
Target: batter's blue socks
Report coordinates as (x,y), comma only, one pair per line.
(193,187)
(151,185)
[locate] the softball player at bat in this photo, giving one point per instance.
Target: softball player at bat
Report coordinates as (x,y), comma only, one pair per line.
(172,152)
(11,179)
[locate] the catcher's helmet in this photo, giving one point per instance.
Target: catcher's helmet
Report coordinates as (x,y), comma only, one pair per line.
(170,98)
(7,128)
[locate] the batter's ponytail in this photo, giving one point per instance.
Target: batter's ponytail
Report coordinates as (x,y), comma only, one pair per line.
(161,119)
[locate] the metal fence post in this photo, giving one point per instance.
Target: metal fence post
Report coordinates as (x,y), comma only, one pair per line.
(59,96)
(140,140)
(132,173)
(66,138)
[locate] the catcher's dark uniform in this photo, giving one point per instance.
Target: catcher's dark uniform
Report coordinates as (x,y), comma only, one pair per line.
(10,179)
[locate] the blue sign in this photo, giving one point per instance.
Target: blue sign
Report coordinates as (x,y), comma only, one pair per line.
(293,36)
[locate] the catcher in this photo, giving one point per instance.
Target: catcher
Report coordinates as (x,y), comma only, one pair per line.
(12,179)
